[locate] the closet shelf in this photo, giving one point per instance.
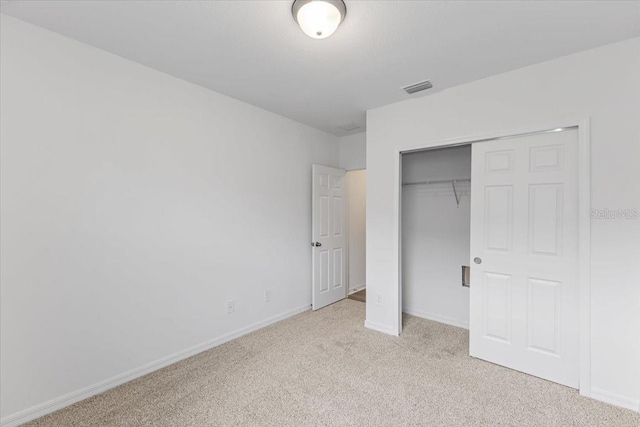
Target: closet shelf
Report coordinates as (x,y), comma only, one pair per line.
(438,181)
(453,183)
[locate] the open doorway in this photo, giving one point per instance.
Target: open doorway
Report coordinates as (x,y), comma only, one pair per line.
(338,235)
(436,217)
(356,186)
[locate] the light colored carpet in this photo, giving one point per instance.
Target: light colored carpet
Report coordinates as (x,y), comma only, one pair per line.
(325,369)
(359,296)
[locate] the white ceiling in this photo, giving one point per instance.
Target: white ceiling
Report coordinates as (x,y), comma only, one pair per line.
(254,51)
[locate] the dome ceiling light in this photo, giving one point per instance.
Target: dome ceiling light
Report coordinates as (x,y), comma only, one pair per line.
(318,18)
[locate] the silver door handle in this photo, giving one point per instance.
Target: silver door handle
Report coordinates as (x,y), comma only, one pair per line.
(477,260)
(316,244)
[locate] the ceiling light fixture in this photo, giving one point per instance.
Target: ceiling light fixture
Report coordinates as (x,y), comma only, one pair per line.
(318,18)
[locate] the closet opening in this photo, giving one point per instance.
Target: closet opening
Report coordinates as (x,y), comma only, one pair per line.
(435,234)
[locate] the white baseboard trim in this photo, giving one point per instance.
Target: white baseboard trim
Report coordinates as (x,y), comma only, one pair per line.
(102,386)
(357,289)
(437,318)
(615,399)
(380,328)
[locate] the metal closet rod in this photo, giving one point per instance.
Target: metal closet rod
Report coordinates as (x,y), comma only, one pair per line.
(438,181)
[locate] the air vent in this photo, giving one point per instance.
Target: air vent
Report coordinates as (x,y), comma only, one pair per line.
(349,126)
(418,87)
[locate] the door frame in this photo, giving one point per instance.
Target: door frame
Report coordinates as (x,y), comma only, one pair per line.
(584,220)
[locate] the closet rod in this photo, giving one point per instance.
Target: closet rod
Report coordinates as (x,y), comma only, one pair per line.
(438,181)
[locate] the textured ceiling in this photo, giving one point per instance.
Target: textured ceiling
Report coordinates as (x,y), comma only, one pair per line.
(254,51)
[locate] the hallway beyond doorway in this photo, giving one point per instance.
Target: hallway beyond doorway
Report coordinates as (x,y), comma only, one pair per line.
(359,296)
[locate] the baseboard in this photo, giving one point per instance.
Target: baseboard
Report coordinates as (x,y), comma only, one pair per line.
(437,318)
(357,289)
(380,328)
(76,396)
(615,399)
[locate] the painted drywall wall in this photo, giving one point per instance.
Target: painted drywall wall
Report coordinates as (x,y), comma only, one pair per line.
(436,235)
(134,206)
(356,185)
(353,151)
(562,89)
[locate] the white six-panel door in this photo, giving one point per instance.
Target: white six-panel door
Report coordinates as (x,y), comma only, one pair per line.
(328,236)
(524,250)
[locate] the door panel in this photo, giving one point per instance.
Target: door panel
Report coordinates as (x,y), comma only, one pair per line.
(499,161)
(338,274)
(545,219)
(524,293)
(329,275)
(338,210)
(323,216)
(498,218)
(497,306)
(544,311)
(323,266)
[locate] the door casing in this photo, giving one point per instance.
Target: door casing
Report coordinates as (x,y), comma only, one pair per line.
(584,221)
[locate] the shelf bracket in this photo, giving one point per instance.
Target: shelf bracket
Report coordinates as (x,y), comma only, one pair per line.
(455,193)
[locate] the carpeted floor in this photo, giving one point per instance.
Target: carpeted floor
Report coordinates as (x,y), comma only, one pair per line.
(325,369)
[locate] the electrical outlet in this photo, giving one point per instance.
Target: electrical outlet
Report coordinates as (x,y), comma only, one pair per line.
(231,306)
(379,299)
(267,295)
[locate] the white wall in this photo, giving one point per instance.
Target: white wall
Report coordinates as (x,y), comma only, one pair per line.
(353,151)
(436,235)
(134,206)
(356,184)
(603,84)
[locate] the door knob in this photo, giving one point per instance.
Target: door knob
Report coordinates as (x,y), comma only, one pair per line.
(316,244)
(477,260)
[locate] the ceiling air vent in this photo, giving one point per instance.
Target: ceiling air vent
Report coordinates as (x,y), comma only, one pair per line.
(418,87)
(349,126)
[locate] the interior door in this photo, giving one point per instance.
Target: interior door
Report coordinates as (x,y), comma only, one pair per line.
(524,250)
(328,235)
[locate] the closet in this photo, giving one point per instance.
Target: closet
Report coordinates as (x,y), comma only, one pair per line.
(435,234)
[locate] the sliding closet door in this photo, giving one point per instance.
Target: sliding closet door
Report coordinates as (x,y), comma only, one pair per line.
(524,250)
